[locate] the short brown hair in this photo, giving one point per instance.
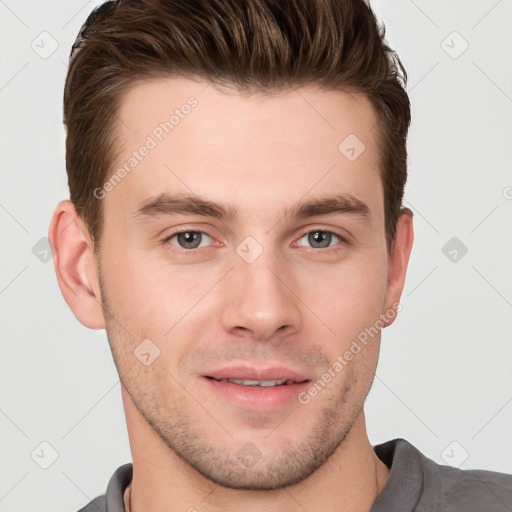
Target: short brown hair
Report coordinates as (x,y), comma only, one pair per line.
(251,45)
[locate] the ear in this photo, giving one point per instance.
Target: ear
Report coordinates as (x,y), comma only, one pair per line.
(398,261)
(75,265)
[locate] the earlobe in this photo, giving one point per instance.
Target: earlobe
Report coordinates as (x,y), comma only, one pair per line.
(75,265)
(398,262)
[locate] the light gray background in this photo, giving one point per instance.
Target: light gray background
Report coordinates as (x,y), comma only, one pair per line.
(445,369)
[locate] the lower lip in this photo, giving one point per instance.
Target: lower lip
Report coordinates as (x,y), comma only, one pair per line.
(258,397)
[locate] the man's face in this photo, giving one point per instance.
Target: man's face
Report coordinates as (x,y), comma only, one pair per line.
(249,295)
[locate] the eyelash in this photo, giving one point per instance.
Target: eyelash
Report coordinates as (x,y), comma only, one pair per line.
(312,251)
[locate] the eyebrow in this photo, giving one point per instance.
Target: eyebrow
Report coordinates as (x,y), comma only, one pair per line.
(171,204)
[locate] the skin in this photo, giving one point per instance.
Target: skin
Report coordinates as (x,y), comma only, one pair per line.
(299,304)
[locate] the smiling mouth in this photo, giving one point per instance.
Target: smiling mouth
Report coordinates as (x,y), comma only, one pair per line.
(260,383)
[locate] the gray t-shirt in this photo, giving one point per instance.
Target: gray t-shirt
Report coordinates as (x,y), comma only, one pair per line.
(415,483)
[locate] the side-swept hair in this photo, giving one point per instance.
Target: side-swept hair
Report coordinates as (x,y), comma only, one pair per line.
(251,45)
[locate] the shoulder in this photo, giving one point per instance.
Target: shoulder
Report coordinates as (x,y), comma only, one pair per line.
(112,500)
(471,489)
(425,485)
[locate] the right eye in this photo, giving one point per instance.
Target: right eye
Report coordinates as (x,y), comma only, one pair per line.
(187,240)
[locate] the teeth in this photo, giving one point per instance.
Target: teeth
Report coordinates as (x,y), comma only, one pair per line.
(261,383)
(270,383)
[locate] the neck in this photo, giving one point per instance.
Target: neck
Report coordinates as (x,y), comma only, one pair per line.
(349,480)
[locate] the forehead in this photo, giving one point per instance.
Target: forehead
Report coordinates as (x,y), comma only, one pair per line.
(175,134)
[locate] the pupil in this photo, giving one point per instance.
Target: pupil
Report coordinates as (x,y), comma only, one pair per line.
(189,239)
(320,237)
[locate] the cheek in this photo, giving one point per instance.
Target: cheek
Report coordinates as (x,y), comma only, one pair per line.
(348,297)
(153,299)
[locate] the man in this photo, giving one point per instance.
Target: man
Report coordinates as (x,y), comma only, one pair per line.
(236,172)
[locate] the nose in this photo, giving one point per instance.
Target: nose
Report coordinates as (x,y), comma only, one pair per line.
(260,300)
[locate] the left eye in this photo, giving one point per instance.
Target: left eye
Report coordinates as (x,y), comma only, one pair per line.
(321,239)
(189,239)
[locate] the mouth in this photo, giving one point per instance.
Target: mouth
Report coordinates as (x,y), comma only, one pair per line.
(260,383)
(257,389)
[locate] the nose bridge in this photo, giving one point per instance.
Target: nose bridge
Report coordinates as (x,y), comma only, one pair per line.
(260,300)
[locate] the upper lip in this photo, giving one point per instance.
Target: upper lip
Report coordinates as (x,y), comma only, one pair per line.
(259,374)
